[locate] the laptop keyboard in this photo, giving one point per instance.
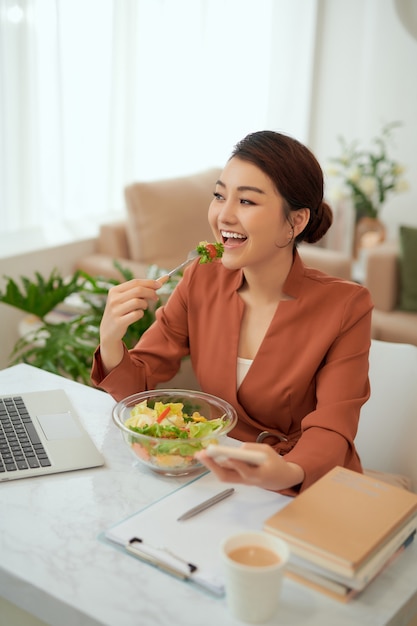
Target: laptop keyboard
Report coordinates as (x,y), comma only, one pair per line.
(20,446)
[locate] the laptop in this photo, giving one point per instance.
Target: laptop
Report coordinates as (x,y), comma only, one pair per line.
(41,433)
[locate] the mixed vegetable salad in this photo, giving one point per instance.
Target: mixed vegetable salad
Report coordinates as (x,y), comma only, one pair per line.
(210,251)
(180,434)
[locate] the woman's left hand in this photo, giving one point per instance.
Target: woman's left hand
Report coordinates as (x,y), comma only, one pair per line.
(274,474)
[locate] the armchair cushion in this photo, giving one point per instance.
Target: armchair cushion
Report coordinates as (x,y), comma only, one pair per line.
(167,218)
(383,278)
(408,268)
(331,262)
(113,240)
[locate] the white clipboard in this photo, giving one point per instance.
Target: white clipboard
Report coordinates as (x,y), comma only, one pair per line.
(190,549)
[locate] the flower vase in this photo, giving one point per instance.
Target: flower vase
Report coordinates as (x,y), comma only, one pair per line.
(369,232)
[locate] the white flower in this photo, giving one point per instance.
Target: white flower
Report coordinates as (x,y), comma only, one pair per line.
(354,174)
(337,193)
(398,169)
(401,185)
(367,184)
(333,171)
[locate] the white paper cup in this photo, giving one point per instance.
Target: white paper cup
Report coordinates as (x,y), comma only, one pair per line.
(253,586)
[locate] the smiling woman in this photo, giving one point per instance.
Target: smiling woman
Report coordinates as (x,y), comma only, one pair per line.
(285,345)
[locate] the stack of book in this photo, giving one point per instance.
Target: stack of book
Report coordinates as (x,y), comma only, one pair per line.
(344,530)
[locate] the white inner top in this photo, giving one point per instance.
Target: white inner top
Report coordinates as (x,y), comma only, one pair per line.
(243,366)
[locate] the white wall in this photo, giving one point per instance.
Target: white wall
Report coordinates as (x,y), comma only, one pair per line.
(365,76)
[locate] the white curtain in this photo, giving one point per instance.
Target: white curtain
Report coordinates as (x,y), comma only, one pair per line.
(97,93)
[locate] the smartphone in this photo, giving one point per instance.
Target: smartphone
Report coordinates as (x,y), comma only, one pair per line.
(222,453)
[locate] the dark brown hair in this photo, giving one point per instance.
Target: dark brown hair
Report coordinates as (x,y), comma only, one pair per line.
(296,174)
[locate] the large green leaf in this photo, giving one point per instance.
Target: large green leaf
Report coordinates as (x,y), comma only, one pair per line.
(40,296)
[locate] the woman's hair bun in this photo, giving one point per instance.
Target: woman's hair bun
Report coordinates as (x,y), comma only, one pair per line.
(319,224)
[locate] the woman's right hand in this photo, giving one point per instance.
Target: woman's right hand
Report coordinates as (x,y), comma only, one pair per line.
(125,305)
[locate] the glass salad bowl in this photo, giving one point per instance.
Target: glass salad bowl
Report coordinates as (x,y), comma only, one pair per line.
(164,428)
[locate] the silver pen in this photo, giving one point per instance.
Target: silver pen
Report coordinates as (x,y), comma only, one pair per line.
(206,504)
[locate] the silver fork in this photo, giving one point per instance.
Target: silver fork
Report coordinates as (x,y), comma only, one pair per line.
(193,254)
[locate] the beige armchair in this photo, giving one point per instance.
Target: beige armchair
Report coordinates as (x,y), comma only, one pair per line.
(382,277)
(165,219)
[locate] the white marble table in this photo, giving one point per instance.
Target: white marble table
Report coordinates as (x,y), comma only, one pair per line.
(53,565)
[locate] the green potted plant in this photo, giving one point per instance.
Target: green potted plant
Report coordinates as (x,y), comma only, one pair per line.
(61,341)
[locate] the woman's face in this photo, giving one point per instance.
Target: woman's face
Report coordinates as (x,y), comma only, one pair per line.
(247,215)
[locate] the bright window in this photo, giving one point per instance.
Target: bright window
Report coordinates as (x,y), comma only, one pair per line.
(95,94)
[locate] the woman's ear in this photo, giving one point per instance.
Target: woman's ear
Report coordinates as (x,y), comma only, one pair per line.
(300,220)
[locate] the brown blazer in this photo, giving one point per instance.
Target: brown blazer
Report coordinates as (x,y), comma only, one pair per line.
(307,382)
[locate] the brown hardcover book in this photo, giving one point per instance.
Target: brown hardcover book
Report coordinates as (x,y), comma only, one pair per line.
(343,519)
(334,588)
(370,568)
